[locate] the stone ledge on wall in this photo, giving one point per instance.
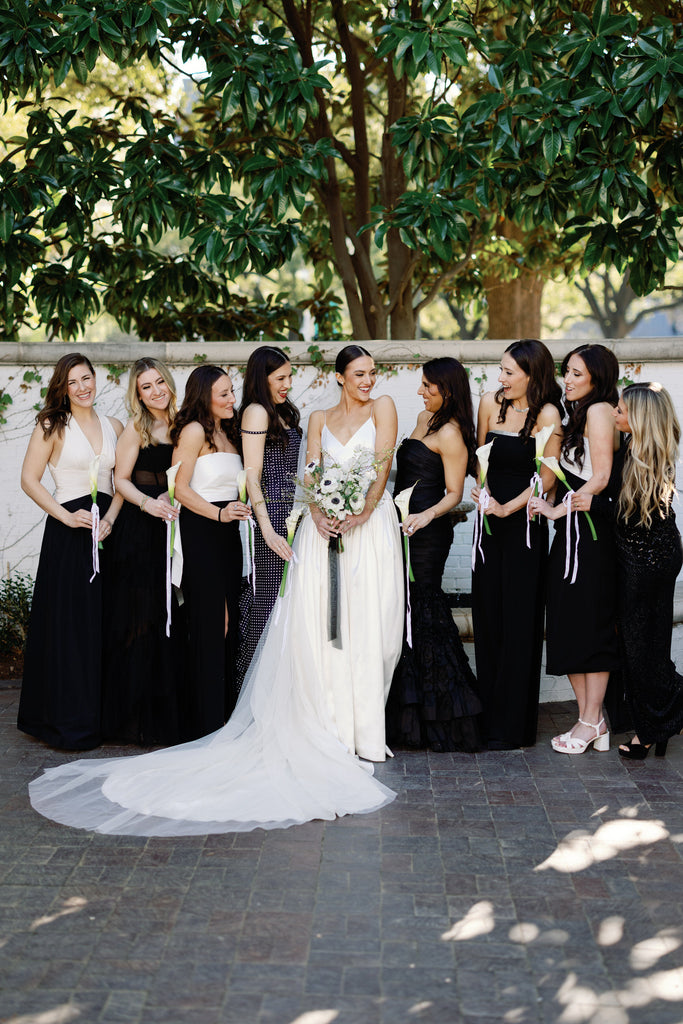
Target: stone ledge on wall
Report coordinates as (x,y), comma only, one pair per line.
(236,353)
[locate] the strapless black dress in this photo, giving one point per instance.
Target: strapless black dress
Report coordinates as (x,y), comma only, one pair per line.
(144,671)
(433,701)
(508,601)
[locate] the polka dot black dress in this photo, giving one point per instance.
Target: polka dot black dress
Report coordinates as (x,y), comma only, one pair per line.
(277,484)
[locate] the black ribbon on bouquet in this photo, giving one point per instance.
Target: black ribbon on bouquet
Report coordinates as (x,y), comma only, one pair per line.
(333,615)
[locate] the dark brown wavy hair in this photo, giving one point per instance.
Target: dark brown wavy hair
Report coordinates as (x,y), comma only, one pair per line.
(603,368)
(55,413)
(534,359)
(255,391)
(450,377)
(196,407)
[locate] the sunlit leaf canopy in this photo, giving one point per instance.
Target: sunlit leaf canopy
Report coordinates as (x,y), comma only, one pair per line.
(389,142)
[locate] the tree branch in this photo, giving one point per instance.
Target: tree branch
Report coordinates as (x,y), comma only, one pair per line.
(445,276)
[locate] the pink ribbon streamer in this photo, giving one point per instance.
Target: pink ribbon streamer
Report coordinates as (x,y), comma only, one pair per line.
(484,502)
(567,502)
(535,482)
(95,529)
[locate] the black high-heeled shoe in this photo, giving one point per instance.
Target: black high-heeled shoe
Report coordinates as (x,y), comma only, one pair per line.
(639,751)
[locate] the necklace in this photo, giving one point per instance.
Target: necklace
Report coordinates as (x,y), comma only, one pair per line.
(515,409)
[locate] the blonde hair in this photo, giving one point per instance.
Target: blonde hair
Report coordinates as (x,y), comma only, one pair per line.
(649,481)
(142,418)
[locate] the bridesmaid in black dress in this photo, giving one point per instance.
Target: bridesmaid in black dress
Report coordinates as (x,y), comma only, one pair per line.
(649,560)
(581,639)
(271,438)
(432,703)
(143,669)
(206,435)
(508,582)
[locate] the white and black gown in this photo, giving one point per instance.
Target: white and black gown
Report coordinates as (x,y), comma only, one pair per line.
(61,689)
(286,755)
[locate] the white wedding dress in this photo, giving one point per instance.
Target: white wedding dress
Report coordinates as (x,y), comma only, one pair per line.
(287,754)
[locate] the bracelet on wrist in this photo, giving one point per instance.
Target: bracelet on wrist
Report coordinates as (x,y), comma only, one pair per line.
(144,502)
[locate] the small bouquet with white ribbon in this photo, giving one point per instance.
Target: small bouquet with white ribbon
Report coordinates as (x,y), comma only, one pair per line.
(171,474)
(291,522)
(554,465)
(251,560)
(541,439)
(402,502)
(481,522)
(93,471)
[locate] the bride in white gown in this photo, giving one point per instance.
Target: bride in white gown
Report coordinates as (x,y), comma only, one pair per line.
(307,710)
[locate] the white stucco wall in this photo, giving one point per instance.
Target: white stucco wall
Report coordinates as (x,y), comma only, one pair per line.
(400,370)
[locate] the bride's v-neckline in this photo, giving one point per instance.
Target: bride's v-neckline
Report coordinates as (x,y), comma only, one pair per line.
(345,443)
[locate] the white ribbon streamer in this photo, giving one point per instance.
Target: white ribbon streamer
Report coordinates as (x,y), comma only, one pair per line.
(484,502)
(409,621)
(535,482)
(567,502)
(95,529)
(168,577)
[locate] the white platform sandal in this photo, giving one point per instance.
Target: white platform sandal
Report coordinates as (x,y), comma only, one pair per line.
(573,745)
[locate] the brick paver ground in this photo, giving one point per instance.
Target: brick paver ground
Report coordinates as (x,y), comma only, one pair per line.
(515,887)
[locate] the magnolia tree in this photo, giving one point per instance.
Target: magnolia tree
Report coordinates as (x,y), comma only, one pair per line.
(408,148)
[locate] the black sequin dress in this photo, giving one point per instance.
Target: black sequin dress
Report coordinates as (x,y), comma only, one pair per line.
(508,601)
(277,485)
(649,560)
(432,702)
(143,698)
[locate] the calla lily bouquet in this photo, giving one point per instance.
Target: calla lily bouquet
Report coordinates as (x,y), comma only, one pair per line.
(483,454)
(541,439)
(292,521)
(554,465)
(251,561)
(402,503)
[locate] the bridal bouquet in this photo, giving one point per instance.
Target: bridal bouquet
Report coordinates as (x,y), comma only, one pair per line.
(339,491)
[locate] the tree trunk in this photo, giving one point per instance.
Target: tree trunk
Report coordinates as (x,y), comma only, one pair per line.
(514,306)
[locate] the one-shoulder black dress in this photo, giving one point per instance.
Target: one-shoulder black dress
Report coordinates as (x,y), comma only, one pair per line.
(508,589)
(144,670)
(433,701)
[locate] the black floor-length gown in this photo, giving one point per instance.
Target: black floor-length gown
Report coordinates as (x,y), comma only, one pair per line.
(508,589)
(581,631)
(211,578)
(256,604)
(649,561)
(144,672)
(433,701)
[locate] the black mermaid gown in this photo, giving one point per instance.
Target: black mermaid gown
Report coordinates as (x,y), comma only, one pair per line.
(277,485)
(508,590)
(432,702)
(144,671)
(649,560)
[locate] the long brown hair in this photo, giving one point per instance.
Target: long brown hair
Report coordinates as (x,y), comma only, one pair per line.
(196,407)
(534,359)
(603,369)
(261,363)
(56,410)
(450,377)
